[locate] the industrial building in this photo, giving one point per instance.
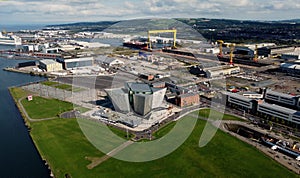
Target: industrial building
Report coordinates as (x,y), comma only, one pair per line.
(280,112)
(50,65)
(139,97)
(50,50)
(292,68)
(291,56)
(274,51)
(109,61)
(77,62)
(252,95)
(240,101)
(181,96)
(282,99)
(220,71)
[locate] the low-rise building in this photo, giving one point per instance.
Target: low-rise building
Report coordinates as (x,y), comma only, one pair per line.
(221,71)
(188,99)
(72,63)
(282,99)
(50,65)
(292,68)
(279,112)
(240,101)
(109,61)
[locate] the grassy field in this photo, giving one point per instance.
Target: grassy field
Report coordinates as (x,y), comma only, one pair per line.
(62,86)
(62,143)
(164,130)
(121,133)
(215,114)
(66,149)
(40,107)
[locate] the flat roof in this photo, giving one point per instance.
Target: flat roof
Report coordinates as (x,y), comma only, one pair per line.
(139,87)
(188,94)
(238,96)
(280,94)
(224,67)
(108,60)
(48,61)
(250,93)
(279,108)
(78,59)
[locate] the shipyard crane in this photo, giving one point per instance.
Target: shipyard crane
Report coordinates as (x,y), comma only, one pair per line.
(232,46)
(220,42)
(174,31)
(255,59)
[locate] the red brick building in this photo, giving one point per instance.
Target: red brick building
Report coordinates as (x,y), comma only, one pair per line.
(187,99)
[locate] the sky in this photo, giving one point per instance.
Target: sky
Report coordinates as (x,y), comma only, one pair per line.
(66,11)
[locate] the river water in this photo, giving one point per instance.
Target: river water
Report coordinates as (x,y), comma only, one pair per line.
(18,154)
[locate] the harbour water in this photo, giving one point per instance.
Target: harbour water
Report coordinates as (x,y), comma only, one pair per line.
(18,154)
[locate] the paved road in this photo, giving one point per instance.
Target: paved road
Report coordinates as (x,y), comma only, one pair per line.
(110,154)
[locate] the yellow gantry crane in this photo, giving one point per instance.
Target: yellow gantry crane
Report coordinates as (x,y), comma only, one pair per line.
(220,42)
(232,46)
(174,31)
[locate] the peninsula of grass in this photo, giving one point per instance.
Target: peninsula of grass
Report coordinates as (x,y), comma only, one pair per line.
(213,115)
(40,107)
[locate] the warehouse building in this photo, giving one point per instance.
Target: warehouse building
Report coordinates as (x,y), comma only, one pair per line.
(50,65)
(292,68)
(109,61)
(77,62)
(291,56)
(280,112)
(220,71)
(274,51)
(240,101)
(282,99)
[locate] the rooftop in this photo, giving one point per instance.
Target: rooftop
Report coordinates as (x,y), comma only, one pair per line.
(48,61)
(78,59)
(139,87)
(238,96)
(278,108)
(280,94)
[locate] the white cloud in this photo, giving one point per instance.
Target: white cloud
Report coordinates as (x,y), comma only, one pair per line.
(95,10)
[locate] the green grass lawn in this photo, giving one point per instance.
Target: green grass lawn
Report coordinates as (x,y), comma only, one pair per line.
(121,133)
(216,114)
(62,86)
(64,146)
(164,130)
(49,83)
(40,107)
(18,93)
